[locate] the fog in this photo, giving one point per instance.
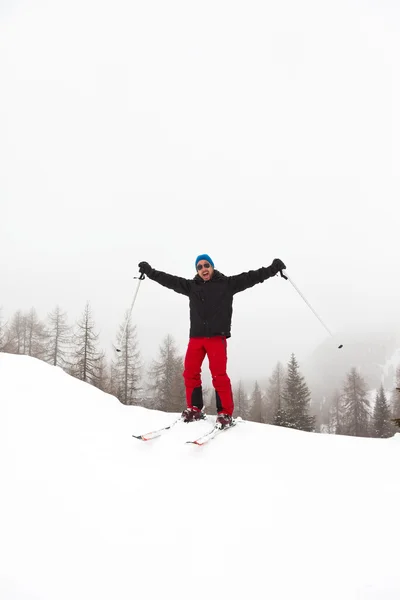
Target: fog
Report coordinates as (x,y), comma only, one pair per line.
(161,130)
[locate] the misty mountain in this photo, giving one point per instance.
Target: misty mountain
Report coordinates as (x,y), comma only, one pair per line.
(375,354)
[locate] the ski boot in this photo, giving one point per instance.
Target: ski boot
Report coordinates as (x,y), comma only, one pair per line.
(224,420)
(192,414)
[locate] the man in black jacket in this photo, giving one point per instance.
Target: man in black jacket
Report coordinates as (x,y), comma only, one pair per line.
(210,300)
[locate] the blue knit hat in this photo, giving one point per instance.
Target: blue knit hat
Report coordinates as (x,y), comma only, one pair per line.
(203,257)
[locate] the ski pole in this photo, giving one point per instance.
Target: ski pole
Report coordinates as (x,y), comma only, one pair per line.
(118,349)
(286,276)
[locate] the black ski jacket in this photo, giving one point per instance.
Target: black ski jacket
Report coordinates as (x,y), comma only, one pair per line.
(211,301)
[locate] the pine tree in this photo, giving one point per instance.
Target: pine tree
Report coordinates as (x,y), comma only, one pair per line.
(381,424)
(281,418)
(336,414)
(240,401)
(167,384)
(296,398)
(126,367)
(86,358)
(356,405)
(253,412)
(273,402)
(59,338)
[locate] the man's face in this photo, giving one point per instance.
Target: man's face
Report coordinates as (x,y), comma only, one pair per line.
(205,270)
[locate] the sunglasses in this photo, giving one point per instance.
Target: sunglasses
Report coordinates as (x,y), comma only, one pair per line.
(201,267)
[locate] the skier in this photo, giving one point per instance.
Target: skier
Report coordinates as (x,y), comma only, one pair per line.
(210,299)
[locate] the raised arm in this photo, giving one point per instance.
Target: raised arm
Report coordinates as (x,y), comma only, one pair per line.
(177,284)
(242,282)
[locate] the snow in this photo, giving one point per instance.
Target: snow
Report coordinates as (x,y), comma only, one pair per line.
(87,511)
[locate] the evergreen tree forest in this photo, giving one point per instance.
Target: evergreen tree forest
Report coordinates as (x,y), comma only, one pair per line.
(285,400)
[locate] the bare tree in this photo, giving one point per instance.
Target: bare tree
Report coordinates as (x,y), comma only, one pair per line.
(59,338)
(86,357)
(3,332)
(36,335)
(102,380)
(126,366)
(17,334)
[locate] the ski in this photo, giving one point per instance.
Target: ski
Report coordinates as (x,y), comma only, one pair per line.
(210,435)
(157,432)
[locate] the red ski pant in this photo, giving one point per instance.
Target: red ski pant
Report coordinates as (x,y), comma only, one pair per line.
(215,348)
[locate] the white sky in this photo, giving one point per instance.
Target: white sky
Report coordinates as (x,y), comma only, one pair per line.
(160,130)
(86,511)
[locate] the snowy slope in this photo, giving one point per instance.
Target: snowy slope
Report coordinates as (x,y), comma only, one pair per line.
(88,512)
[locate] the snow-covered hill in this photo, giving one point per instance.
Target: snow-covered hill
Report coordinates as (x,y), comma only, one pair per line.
(88,512)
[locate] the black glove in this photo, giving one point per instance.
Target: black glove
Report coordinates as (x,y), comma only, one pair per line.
(144,268)
(277,266)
